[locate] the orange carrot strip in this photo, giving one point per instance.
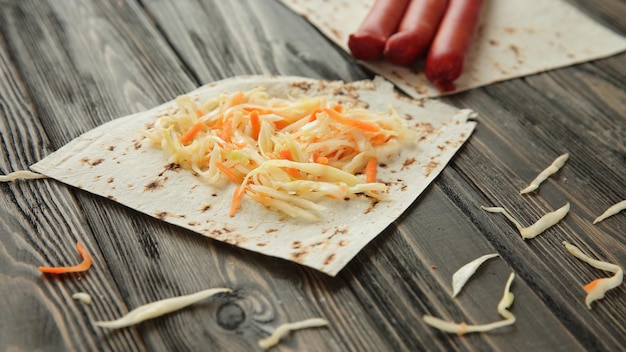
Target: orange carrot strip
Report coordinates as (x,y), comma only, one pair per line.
(286,154)
(255,122)
(370,170)
(226,130)
(191,133)
(228,172)
(236,99)
(338,107)
(83,266)
(199,113)
(588,287)
(234,205)
(321,160)
(364,125)
(281,124)
(314,113)
(379,139)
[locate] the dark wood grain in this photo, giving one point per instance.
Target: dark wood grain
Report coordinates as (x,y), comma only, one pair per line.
(68,66)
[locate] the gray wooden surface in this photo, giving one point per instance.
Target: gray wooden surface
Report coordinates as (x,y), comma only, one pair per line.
(68,66)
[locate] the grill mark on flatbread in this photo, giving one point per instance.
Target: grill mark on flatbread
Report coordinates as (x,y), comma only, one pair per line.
(170,167)
(161,215)
(371,207)
(430,167)
(299,256)
(90,162)
(154,186)
(407,162)
(329,259)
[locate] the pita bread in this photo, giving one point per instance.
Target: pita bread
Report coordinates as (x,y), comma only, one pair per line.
(115,161)
(515,38)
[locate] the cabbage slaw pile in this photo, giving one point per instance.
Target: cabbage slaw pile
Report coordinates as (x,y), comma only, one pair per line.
(286,153)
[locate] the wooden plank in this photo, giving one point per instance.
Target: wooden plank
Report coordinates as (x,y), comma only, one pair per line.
(497,164)
(150,260)
(38,311)
(220,39)
(85,63)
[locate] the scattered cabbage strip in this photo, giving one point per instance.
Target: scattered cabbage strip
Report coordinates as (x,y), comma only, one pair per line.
(462,328)
(597,288)
(300,150)
(461,276)
(158,308)
(553,168)
(285,329)
(21,175)
(83,266)
(83,297)
(546,221)
(612,210)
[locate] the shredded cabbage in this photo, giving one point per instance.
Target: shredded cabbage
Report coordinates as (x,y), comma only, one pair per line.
(286,153)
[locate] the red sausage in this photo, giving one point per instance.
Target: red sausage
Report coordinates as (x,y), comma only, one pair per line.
(416,31)
(444,62)
(368,42)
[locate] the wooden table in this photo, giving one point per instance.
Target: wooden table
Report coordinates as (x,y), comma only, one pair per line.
(69,66)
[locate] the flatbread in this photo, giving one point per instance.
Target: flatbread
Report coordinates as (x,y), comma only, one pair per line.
(115,161)
(515,38)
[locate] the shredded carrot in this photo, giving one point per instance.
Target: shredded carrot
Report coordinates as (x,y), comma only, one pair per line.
(463,330)
(255,122)
(83,266)
(314,113)
(199,113)
(321,160)
(338,108)
(379,139)
(286,154)
(370,170)
(588,287)
(237,195)
(191,133)
(281,124)
(228,172)
(364,125)
(226,130)
(236,99)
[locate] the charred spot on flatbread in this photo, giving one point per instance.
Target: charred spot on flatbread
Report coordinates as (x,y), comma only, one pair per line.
(299,256)
(153,186)
(408,162)
(90,162)
(161,215)
(430,167)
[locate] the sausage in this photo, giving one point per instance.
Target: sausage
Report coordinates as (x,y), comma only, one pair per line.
(368,42)
(416,31)
(444,62)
